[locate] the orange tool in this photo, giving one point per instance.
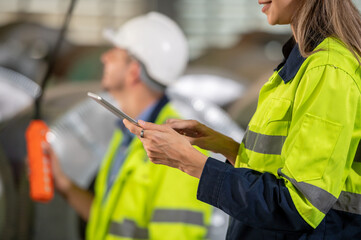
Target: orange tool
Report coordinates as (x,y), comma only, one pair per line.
(40,174)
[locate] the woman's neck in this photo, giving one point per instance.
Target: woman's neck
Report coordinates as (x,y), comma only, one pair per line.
(294,33)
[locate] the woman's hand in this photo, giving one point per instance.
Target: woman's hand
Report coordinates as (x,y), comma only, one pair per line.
(204,137)
(165,146)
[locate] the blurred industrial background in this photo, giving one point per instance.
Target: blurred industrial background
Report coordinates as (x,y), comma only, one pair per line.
(232,52)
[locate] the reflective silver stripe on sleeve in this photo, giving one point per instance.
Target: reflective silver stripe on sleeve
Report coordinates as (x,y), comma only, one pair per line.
(129,229)
(178,216)
(321,199)
(266,144)
(348,202)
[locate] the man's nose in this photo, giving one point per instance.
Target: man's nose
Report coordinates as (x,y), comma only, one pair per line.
(103,58)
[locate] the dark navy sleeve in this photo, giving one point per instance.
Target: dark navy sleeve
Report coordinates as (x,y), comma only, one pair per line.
(259,200)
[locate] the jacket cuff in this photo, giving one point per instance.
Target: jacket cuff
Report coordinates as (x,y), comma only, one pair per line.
(211,181)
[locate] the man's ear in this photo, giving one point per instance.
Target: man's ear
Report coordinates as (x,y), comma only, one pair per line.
(134,72)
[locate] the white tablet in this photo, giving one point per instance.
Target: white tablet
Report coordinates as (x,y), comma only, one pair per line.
(112,108)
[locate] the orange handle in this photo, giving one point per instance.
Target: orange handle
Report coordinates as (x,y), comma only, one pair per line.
(40,175)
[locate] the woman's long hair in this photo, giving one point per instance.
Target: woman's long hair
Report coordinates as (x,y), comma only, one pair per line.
(319,19)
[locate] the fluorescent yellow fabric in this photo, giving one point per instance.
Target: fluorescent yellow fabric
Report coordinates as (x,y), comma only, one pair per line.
(316,117)
(146,201)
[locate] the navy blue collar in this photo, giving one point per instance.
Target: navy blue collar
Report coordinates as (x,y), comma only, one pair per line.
(292,61)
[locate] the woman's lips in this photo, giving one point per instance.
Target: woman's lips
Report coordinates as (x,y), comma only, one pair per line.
(266,4)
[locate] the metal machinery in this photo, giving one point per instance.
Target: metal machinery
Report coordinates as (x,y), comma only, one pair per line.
(16,95)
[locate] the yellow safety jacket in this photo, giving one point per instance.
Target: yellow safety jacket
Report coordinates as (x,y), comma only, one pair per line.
(298,170)
(146,201)
(308,131)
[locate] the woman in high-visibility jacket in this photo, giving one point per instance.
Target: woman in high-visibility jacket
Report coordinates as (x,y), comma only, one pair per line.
(297,172)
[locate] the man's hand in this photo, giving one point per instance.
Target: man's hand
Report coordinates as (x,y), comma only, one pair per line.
(80,199)
(61,182)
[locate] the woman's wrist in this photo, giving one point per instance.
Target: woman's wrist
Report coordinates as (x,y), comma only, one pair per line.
(230,150)
(195,163)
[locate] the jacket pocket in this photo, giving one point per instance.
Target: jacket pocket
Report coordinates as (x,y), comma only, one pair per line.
(278,117)
(313,146)
(279,110)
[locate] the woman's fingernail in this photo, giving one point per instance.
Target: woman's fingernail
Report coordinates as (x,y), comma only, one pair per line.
(141,123)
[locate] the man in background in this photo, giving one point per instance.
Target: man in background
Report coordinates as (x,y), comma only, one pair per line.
(134,198)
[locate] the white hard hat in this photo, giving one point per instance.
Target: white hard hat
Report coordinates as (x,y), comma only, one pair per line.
(157,42)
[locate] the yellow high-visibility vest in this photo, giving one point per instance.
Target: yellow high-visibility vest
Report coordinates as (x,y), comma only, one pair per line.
(146,201)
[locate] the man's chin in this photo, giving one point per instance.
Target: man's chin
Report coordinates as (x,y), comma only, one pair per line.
(112,89)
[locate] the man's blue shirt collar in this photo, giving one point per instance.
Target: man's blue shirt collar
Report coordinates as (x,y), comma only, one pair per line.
(149,115)
(145,115)
(292,62)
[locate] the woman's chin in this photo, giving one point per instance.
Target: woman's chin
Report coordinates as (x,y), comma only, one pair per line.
(271,21)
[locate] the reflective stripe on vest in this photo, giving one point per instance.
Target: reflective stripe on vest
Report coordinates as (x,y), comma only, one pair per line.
(266,144)
(129,229)
(319,198)
(178,216)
